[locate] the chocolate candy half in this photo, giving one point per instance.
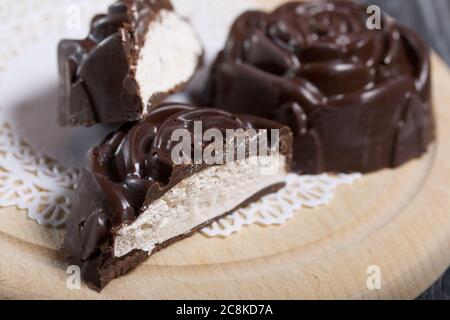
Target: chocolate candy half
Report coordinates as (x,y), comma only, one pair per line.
(134,56)
(134,199)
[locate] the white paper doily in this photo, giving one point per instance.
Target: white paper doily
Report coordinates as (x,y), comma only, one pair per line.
(39,160)
(277,208)
(33,182)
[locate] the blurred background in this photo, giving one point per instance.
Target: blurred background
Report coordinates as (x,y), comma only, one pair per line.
(431,18)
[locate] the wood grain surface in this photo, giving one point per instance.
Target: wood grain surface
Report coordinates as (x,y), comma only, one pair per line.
(431,19)
(397,220)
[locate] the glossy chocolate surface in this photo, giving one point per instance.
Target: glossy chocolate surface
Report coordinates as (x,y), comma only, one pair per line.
(97,74)
(356,99)
(130,170)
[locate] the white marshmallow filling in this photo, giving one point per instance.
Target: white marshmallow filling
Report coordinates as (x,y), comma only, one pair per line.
(197,199)
(169,57)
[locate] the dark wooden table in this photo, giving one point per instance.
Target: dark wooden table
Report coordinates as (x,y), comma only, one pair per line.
(431,18)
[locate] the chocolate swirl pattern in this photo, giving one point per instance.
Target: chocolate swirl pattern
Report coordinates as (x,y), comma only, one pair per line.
(356,99)
(128,172)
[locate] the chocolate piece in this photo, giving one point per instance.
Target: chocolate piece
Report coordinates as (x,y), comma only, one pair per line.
(134,57)
(356,99)
(133,199)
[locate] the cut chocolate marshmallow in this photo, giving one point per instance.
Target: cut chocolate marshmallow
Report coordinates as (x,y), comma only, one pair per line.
(135,197)
(135,56)
(199,198)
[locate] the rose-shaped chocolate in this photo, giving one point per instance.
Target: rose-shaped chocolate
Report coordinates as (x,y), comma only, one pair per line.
(356,99)
(131,60)
(130,170)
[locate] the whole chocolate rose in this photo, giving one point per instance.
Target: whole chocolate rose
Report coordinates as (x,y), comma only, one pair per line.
(357,99)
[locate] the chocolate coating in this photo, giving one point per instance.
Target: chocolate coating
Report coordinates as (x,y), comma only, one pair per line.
(130,170)
(356,99)
(97,74)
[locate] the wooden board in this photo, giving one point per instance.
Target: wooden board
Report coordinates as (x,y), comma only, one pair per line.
(398,220)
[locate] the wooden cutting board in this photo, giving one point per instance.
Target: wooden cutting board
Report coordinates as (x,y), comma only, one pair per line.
(396,222)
